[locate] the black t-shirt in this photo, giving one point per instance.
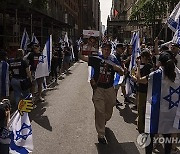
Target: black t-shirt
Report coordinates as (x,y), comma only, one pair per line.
(103,73)
(33,60)
(146,70)
(18,68)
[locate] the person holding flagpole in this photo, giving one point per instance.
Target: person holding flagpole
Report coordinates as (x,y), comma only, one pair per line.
(102,78)
(162,100)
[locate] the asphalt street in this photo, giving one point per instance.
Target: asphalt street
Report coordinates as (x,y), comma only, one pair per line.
(64,123)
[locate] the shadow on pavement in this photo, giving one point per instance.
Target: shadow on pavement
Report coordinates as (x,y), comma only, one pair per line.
(68,73)
(127,114)
(114,147)
(37,116)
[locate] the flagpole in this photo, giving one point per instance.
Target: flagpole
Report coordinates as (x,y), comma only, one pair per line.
(31,24)
(162,29)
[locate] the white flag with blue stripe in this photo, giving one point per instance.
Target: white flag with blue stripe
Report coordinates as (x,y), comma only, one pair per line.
(44,66)
(34,40)
(173,18)
(135,42)
(176,38)
(60,40)
(4,81)
(66,39)
(25,40)
(135,50)
(163,98)
(21,134)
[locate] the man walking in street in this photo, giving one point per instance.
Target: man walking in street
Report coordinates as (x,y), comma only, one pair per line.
(102,78)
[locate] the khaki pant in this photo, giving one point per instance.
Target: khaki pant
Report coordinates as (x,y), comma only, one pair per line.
(104,100)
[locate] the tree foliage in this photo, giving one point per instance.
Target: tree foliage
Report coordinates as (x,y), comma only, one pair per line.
(149,10)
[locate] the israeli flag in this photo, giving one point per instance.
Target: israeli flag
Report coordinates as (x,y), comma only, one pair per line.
(21,134)
(66,39)
(25,40)
(135,41)
(163,98)
(176,38)
(173,18)
(4,81)
(34,40)
(79,43)
(118,79)
(60,40)
(44,66)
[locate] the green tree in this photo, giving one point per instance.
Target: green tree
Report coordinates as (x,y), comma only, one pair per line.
(150,10)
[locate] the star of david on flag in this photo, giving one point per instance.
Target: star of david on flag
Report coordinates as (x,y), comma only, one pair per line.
(41,59)
(21,136)
(163,98)
(169,97)
(44,66)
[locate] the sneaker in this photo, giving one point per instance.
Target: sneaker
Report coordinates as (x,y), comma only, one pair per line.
(102,140)
(118,103)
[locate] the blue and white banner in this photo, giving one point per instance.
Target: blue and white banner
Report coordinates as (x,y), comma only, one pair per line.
(163,98)
(21,134)
(118,79)
(44,66)
(25,40)
(176,38)
(66,39)
(4,81)
(34,39)
(135,41)
(60,40)
(173,18)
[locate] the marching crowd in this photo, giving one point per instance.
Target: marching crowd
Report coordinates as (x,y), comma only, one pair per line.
(18,74)
(155,65)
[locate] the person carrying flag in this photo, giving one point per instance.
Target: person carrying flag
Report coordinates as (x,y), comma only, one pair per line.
(33,58)
(162,100)
(102,79)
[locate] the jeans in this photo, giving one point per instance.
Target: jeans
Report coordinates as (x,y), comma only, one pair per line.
(18,92)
